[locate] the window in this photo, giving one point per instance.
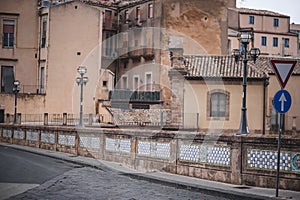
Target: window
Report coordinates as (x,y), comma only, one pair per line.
(275,42)
(108,19)
(286,42)
(108,44)
(42,80)
(263,41)
(8,34)
(44,32)
(276,22)
(7,79)
(124,82)
(148,78)
(150,10)
(218,104)
(125,65)
(136,83)
(104,84)
(126,16)
(251,19)
(138,15)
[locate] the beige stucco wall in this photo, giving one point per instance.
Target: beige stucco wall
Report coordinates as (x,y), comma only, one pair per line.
(265,23)
(74,34)
(293,88)
(270,50)
(22,56)
(263,26)
(195,101)
(26,103)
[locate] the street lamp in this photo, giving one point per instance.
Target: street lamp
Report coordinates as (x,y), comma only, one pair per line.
(81,81)
(16,90)
(245,37)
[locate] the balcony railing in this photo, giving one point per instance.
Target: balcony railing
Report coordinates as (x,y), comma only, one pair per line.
(133,96)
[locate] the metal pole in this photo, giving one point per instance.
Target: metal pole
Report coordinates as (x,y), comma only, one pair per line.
(278,154)
(81,100)
(243,124)
(15,115)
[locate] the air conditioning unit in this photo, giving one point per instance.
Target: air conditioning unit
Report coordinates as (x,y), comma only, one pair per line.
(46,3)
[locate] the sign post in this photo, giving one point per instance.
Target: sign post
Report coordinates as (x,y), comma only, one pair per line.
(282,101)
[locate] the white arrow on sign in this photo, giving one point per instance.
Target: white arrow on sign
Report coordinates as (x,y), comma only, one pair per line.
(283,70)
(282,99)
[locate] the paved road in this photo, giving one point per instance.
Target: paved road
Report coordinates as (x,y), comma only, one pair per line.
(55,179)
(88,183)
(23,167)
(21,171)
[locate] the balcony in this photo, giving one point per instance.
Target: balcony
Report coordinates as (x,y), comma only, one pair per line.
(135,96)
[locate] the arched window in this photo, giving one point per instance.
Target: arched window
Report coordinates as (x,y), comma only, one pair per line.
(218,104)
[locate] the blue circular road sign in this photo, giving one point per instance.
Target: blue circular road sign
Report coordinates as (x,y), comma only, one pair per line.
(282,101)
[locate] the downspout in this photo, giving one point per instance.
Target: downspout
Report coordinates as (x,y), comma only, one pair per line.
(118,50)
(39,47)
(266,83)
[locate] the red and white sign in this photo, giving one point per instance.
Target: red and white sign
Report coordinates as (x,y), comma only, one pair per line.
(283,70)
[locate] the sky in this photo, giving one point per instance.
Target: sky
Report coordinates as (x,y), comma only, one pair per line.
(286,7)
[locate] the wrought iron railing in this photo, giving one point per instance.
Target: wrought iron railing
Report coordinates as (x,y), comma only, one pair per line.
(128,95)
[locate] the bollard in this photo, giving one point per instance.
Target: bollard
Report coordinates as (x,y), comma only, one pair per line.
(19,118)
(45,119)
(65,115)
(294,128)
(90,119)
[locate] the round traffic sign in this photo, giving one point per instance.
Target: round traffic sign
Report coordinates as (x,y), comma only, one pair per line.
(282,101)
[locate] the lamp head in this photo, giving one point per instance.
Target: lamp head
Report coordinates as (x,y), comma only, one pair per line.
(78,80)
(254,52)
(236,53)
(82,70)
(16,83)
(246,35)
(85,80)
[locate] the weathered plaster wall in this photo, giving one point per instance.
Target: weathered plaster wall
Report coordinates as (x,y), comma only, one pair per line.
(203,21)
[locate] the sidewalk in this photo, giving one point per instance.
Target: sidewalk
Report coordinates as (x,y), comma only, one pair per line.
(167,178)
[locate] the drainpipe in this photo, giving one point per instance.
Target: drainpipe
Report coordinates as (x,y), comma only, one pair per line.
(118,50)
(39,46)
(266,83)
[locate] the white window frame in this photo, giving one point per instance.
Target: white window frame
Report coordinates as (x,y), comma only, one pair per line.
(13,22)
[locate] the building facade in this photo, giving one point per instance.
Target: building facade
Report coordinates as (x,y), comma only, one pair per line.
(211,87)
(295,28)
(272,33)
(130,39)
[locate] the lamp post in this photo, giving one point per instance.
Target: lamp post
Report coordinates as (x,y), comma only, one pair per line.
(245,37)
(81,81)
(16,90)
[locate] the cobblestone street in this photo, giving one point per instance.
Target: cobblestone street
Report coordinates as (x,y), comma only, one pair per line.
(89,183)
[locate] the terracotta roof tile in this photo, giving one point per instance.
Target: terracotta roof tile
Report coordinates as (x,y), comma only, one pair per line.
(217,66)
(258,12)
(226,67)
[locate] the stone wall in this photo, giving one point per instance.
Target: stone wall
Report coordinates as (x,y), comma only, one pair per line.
(248,160)
(154,117)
